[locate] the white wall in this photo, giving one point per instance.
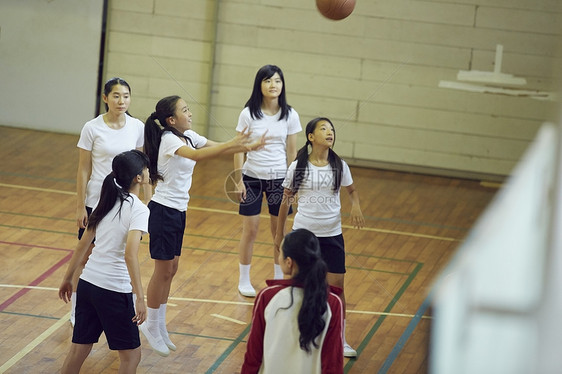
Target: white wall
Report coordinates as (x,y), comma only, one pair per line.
(375,74)
(49,57)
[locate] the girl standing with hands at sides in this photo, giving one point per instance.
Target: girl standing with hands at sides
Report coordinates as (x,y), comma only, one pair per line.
(100,140)
(173,149)
(297,322)
(263,171)
(104,293)
(317,178)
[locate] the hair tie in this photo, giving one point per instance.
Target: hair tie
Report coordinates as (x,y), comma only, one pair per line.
(117,184)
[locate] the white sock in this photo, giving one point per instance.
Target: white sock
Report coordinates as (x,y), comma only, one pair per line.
(73,304)
(277,272)
(343,333)
(162,319)
(244,279)
(152,321)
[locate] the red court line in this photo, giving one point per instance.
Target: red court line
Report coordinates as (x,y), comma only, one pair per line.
(39,279)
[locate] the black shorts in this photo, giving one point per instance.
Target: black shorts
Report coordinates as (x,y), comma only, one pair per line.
(99,310)
(333,253)
(81,230)
(166,227)
(255,189)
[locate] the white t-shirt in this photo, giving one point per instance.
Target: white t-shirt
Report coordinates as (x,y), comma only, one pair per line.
(318,205)
(177,171)
(269,162)
(106,266)
(105,143)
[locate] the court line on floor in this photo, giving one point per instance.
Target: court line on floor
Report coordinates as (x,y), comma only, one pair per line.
(233,212)
(381,319)
(405,336)
(228,319)
(41,277)
(212,301)
(34,343)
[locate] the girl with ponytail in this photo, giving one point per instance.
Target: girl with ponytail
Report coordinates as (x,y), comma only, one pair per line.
(104,295)
(314,180)
(297,322)
(173,148)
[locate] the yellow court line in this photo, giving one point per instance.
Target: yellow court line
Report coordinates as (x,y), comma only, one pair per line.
(232,212)
(210,301)
(218,301)
(36,189)
(229,319)
(38,340)
(386,314)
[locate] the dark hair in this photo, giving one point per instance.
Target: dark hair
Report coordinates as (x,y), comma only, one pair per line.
(255,100)
(153,131)
(109,86)
(303,247)
(116,185)
(302,159)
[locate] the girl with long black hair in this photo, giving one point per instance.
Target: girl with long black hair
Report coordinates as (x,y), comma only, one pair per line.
(104,295)
(173,149)
(262,172)
(314,180)
(297,322)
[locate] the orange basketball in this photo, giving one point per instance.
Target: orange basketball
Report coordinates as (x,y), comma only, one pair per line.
(335,9)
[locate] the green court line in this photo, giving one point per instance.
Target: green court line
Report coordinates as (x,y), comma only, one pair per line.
(187,235)
(381,319)
(386,258)
(171,332)
(29,315)
(229,350)
(377,271)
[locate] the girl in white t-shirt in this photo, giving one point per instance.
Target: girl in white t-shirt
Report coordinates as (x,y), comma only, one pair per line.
(314,180)
(104,299)
(100,140)
(263,171)
(173,149)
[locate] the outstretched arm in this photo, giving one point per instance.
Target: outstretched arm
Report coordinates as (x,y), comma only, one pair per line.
(240,143)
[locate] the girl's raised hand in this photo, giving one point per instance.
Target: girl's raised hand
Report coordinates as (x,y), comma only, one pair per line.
(258,143)
(244,140)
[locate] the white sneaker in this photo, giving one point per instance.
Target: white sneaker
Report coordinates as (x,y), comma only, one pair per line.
(157,343)
(348,351)
(167,341)
(247,290)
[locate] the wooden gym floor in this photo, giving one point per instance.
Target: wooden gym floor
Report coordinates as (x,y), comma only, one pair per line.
(414,223)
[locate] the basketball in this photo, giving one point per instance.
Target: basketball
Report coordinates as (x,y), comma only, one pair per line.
(335,9)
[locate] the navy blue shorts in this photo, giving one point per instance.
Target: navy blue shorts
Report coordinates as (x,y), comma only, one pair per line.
(333,253)
(99,310)
(255,189)
(166,227)
(81,230)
